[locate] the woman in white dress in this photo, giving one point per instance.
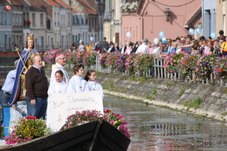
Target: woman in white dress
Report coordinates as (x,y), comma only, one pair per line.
(77,83)
(59,85)
(92,84)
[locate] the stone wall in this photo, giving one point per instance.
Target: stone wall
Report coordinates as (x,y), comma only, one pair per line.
(201,99)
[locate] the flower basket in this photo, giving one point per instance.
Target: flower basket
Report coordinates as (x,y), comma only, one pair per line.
(27,129)
(89,59)
(205,66)
(83,117)
(220,68)
(187,66)
(172,61)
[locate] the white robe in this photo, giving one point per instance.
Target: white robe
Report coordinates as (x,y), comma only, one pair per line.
(57,87)
(76,84)
(94,86)
(55,68)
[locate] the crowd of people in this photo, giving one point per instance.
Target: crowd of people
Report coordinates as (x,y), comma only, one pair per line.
(29,75)
(164,46)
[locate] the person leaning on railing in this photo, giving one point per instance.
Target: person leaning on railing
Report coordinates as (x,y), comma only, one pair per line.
(224,47)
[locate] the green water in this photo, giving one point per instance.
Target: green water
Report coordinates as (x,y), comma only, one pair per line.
(157,129)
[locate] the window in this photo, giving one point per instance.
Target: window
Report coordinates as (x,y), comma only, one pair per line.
(55,18)
(41,20)
(33,19)
(1,18)
(41,42)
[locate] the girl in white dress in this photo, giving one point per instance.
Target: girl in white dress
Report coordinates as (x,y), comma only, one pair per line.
(56,87)
(59,85)
(92,84)
(77,83)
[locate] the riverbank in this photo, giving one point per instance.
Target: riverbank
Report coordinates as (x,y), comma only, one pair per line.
(200,99)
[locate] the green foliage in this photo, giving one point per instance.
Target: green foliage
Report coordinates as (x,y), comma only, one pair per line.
(195,103)
(182,90)
(1,131)
(153,94)
(107,85)
(224,114)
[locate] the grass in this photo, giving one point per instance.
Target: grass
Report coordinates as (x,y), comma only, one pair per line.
(224,114)
(182,90)
(107,85)
(195,103)
(152,95)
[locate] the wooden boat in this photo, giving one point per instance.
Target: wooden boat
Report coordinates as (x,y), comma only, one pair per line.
(93,136)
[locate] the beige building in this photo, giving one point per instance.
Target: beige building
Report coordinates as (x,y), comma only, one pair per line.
(112,21)
(221,15)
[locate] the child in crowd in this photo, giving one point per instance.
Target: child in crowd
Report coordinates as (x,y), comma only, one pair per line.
(59,85)
(92,84)
(77,83)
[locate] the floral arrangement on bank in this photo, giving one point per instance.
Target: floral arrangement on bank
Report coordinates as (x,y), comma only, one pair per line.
(129,63)
(220,68)
(111,60)
(171,62)
(142,63)
(49,56)
(205,66)
(181,63)
(27,129)
(89,59)
(102,60)
(120,62)
(83,117)
(187,65)
(129,7)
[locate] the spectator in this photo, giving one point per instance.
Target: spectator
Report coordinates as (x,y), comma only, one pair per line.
(111,48)
(224,47)
(81,46)
(104,45)
(143,48)
(129,48)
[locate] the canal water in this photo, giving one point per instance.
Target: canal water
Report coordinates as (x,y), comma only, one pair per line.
(158,129)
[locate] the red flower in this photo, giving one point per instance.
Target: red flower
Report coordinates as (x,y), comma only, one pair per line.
(219,70)
(31,117)
(107,111)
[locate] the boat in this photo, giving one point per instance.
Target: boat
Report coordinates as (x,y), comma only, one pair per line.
(92,136)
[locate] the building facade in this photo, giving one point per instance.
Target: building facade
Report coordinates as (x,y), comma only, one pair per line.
(54,23)
(11,26)
(172,17)
(209,17)
(221,8)
(112,21)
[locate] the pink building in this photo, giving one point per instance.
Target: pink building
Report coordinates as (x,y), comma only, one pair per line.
(173,17)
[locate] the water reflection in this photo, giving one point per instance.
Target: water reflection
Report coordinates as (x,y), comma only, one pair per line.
(156,129)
